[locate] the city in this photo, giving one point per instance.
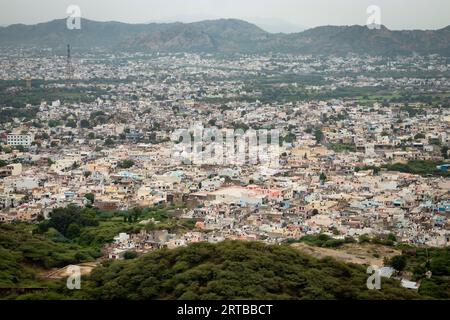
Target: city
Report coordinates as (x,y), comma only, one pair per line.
(355,166)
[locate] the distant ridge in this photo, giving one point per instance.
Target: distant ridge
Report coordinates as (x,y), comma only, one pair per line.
(225,36)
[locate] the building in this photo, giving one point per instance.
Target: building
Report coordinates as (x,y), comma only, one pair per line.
(19,140)
(14,169)
(10,200)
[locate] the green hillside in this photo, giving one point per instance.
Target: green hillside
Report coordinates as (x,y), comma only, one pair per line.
(224,36)
(235,270)
(228,270)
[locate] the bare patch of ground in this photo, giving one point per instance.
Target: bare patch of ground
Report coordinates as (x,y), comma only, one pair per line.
(85,269)
(364,254)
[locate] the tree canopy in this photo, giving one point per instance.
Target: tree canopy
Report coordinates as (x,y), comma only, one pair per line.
(235,270)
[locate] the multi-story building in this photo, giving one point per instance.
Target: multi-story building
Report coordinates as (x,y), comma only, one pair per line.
(19,140)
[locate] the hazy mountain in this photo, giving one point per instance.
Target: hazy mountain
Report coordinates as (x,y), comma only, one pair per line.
(210,35)
(360,39)
(185,18)
(225,35)
(274,25)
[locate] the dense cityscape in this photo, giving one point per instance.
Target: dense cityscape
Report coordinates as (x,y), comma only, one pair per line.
(93,167)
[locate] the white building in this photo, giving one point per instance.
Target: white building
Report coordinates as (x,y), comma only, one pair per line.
(19,140)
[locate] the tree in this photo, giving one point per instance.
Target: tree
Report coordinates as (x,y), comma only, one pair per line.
(364,239)
(62,218)
(439,265)
(318,134)
(323,177)
(126,164)
(444,152)
(109,142)
(85,123)
(73,231)
(130,255)
(398,263)
(137,212)
(419,136)
(240,125)
(71,123)
(90,197)
(3,163)
(392,237)
(289,138)
(53,123)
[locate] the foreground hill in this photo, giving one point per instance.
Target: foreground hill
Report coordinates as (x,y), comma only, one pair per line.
(235,270)
(224,36)
(228,270)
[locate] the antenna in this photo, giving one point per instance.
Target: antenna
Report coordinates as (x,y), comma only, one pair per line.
(69,68)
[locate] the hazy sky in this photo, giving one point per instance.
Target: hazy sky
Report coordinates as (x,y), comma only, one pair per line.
(395,14)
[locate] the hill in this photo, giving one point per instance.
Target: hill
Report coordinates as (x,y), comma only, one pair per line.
(224,36)
(228,270)
(23,253)
(235,270)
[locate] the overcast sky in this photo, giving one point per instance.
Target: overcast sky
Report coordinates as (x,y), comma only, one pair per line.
(395,14)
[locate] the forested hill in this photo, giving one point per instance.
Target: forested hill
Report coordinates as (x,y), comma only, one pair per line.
(236,270)
(227,270)
(225,36)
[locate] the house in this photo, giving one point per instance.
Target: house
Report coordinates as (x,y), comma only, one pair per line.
(444,168)
(409,284)
(14,169)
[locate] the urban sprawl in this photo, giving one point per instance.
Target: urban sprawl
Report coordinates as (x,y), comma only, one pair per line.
(362,150)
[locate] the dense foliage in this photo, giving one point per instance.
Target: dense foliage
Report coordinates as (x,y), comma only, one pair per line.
(228,270)
(126,164)
(69,221)
(22,253)
(419,262)
(343,147)
(421,167)
(323,240)
(235,270)
(72,235)
(91,227)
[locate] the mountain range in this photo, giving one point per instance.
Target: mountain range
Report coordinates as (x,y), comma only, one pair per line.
(225,36)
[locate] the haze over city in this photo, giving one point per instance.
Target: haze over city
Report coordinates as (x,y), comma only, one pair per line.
(279,15)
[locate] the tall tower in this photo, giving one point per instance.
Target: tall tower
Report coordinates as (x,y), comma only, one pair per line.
(69,67)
